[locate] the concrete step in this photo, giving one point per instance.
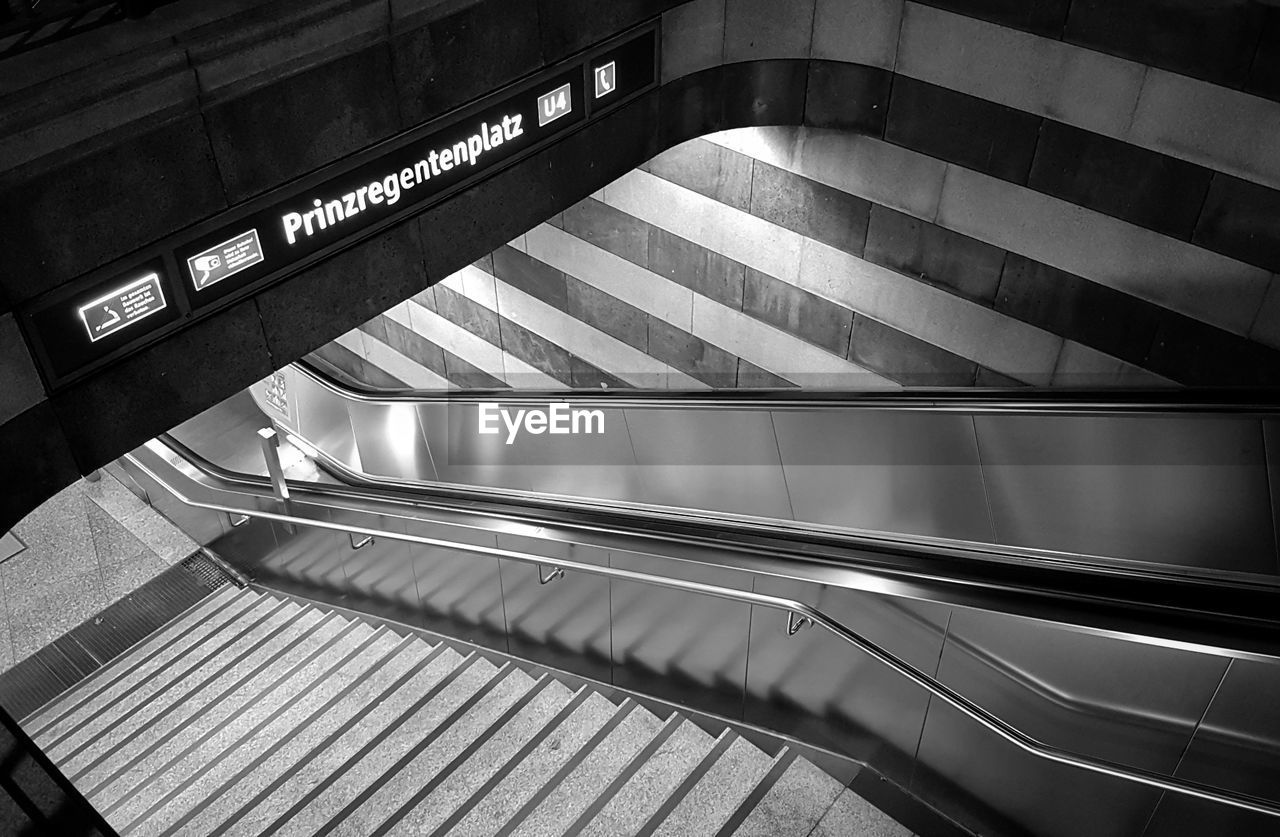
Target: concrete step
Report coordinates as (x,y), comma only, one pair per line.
(577,785)
(276,730)
(167,773)
(133,763)
(253,715)
(520,784)
(254,624)
(400,670)
(109,684)
(186,627)
(364,768)
(725,785)
(475,769)
(96,760)
(796,797)
(273,794)
(648,785)
(499,701)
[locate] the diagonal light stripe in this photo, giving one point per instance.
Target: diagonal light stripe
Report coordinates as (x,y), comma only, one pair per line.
(750,339)
(587,342)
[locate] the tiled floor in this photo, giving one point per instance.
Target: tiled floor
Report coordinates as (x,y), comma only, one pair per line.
(87,547)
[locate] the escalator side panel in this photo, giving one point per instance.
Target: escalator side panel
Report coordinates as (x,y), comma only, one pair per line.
(1189,491)
(915,473)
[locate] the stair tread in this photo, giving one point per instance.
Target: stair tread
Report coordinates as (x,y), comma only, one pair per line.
(720,791)
(563,804)
(184,699)
(100,716)
(357,777)
(222,800)
(652,783)
(279,731)
(256,814)
(175,630)
(851,814)
(238,609)
(526,779)
(157,779)
(158,746)
(794,805)
(427,764)
(427,816)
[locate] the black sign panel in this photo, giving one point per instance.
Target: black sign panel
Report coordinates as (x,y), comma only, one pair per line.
(623,70)
(102,318)
(389,186)
(90,322)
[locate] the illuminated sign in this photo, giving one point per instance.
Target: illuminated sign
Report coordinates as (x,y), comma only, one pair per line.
(122,307)
(553,105)
(93,320)
(606,77)
(395,184)
(226,259)
(84,323)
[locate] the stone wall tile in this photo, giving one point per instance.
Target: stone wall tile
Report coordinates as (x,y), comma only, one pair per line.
(797,312)
(1212,41)
(906,359)
(691,355)
(934,254)
(608,314)
(20,386)
(692,38)
(278,132)
(708,169)
(531,276)
(849,97)
(1043,17)
(1152,190)
(600,224)
(1241,220)
(762,29)
(857,31)
(810,208)
(1075,308)
(967,130)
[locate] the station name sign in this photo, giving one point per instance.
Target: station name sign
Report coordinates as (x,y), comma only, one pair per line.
(306,221)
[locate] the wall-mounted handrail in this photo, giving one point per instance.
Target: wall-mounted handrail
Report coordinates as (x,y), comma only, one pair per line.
(795,608)
(1226,616)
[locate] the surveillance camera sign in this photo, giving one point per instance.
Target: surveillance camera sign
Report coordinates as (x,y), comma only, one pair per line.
(226,259)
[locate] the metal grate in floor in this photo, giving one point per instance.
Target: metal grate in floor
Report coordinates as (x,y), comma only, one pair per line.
(84,649)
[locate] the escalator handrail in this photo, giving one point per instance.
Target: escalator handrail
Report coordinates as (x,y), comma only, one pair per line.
(975,712)
(1027,400)
(1234,617)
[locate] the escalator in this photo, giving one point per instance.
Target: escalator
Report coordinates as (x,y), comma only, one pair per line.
(1041,617)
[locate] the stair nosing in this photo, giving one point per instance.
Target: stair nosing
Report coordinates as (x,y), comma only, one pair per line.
(61,705)
(507,669)
(686,787)
(270,611)
(160,741)
(479,794)
(621,713)
(231,664)
(629,770)
(320,787)
(284,678)
(332,701)
(107,676)
(781,764)
(540,685)
(329,740)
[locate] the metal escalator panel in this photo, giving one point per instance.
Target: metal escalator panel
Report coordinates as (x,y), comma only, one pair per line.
(1178,485)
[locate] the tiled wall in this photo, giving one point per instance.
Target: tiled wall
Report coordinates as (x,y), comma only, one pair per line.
(717,268)
(1058,193)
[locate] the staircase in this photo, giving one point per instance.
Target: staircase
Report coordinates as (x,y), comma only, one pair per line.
(252,714)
